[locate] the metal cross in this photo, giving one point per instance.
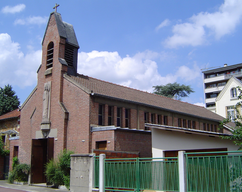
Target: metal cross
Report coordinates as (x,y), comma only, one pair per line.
(55,7)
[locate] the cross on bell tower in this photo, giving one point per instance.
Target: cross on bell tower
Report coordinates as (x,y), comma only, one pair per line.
(55,7)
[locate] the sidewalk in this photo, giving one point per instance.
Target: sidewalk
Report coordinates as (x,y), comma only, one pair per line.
(29,188)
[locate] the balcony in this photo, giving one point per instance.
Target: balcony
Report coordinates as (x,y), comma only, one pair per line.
(213,109)
(221,77)
(210,100)
(213,89)
(214,79)
(235,74)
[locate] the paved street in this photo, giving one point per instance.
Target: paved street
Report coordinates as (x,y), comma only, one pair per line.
(6,187)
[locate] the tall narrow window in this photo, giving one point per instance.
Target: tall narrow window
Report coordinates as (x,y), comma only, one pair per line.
(184,123)
(211,127)
(50,54)
(110,115)
(159,119)
(208,128)
(204,126)
(69,54)
(215,128)
(179,122)
(194,124)
(119,116)
(231,113)
(146,117)
(100,114)
(152,118)
(189,123)
(127,113)
(15,151)
(165,120)
(233,93)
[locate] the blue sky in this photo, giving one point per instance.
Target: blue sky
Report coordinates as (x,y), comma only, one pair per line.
(130,42)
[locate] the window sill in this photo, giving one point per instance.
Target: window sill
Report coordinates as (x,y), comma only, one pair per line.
(48,71)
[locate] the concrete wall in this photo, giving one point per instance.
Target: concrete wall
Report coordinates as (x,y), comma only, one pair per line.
(170,140)
(81,176)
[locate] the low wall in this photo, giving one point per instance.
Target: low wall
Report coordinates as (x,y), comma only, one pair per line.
(81,175)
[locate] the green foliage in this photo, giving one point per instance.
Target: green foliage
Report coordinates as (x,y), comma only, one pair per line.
(8,100)
(20,171)
(173,90)
(3,152)
(58,172)
(15,162)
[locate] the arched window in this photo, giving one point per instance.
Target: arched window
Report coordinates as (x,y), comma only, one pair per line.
(233,92)
(50,53)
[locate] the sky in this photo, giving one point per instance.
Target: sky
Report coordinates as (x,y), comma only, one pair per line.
(134,43)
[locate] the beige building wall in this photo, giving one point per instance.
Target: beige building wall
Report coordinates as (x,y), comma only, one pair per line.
(225,98)
(178,141)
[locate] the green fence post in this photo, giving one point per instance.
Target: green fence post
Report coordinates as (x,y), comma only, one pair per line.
(137,175)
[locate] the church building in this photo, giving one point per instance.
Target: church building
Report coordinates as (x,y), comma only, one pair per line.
(67,110)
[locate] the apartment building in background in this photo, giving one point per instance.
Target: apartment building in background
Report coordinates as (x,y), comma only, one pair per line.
(215,80)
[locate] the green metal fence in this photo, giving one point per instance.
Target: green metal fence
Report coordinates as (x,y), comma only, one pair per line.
(137,174)
(205,172)
(214,171)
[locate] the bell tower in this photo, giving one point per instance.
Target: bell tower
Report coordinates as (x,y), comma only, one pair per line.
(59,56)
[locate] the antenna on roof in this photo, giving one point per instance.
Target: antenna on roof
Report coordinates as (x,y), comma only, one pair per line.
(55,7)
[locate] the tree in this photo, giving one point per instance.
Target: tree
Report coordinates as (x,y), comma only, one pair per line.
(8,100)
(173,90)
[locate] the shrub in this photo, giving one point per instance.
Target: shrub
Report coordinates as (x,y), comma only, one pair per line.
(58,172)
(15,162)
(20,171)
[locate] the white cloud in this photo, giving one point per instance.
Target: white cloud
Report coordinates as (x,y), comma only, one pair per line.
(31,21)
(17,68)
(200,104)
(164,23)
(139,71)
(15,9)
(188,74)
(204,25)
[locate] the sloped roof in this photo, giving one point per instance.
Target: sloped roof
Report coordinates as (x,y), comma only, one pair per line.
(105,89)
(65,30)
(12,114)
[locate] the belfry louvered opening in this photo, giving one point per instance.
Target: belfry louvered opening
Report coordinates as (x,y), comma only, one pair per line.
(69,54)
(50,54)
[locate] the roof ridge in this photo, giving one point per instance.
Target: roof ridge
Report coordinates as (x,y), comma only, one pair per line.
(86,76)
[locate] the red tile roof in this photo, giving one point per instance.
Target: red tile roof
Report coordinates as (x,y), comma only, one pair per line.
(106,89)
(12,114)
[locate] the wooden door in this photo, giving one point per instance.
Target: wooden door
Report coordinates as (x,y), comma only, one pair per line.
(42,152)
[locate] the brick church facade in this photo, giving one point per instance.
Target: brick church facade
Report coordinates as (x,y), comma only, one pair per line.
(67,110)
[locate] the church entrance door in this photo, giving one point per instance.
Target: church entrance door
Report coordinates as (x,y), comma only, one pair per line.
(42,152)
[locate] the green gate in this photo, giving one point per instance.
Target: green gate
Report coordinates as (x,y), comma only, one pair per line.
(214,171)
(204,172)
(139,174)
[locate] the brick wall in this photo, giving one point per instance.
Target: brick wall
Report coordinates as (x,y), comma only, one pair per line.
(133,141)
(13,143)
(78,130)
(116,154)
(108,136)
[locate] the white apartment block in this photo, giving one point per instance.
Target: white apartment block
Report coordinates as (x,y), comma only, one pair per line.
(214,81)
